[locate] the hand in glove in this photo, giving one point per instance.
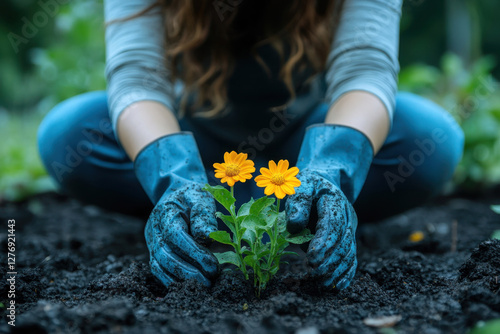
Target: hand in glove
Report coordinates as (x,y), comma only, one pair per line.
(172,174)
(334,162)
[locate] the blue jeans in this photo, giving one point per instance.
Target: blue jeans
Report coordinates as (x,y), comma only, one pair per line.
(78,147)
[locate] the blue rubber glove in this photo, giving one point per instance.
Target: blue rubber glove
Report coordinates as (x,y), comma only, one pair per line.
(172,174)
(334,162)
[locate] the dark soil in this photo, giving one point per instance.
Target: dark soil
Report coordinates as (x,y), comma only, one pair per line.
(83,270)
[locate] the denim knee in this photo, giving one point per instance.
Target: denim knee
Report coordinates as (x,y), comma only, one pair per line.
(67,134)
(78,147)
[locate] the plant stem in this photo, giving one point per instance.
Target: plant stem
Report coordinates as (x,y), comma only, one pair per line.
(273,235)
(238,239)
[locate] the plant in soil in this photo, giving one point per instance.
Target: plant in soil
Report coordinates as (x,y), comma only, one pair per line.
(257,220)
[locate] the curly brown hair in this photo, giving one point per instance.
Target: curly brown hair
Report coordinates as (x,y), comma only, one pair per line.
(204,37)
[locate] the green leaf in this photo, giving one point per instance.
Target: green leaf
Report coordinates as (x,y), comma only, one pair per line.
(282,242)
(262,254)
(240,218)
(228,257)
(254,223)
(223,237)
(496,208)
(250,260)
(227,220)
(221,195)
(273,270)
(245,208)
(249,236)
(247,252)
(260,205)
(289,253)
(282,222)
(268,215)
(496,235)
(300,238)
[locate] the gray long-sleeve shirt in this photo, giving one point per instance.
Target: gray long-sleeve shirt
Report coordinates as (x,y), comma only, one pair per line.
(364,56)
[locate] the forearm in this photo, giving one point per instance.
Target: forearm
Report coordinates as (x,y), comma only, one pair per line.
(364,112)
(142,123)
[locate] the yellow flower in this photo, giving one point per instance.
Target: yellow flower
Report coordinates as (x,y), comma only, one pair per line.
(235,168)
(278,180)
(416,236)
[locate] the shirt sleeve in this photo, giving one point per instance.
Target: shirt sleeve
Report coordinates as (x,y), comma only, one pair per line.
(364,54)
(135,60)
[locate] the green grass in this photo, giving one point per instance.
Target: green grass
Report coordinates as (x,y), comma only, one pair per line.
(21,171)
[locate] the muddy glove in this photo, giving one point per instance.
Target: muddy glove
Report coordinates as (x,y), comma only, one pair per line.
(333,162)
(172,174)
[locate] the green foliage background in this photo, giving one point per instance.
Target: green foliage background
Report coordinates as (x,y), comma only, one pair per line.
(472,96)
(66,57)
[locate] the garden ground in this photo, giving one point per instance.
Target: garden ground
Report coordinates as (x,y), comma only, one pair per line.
(84,270)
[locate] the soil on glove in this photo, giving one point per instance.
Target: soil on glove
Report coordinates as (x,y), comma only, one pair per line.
(81,269)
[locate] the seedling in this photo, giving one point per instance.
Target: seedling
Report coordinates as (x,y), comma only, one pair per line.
(255,219)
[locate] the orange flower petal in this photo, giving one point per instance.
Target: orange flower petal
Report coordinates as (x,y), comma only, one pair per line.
(246,176)
(272,166)
(294,182)
(263,183)
(247,169)
(270,189)
(226,157)
(247,164)
(283,166)
(239,159)
(233,156)
(261,177)
(219,166)
(230,181)
(279,192)
(288,189)
(266,172)
(291,172)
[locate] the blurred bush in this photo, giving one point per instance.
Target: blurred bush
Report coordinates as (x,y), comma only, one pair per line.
(21,171)
(473,98)
(63,57)
(486,327)
(426,31)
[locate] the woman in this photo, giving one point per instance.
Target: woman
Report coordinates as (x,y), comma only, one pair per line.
(314,82)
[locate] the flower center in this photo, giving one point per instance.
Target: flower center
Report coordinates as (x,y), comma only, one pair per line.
(232,169)
(278,179)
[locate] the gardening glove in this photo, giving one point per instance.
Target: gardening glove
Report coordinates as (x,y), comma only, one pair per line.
(172,174)
(333,162)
